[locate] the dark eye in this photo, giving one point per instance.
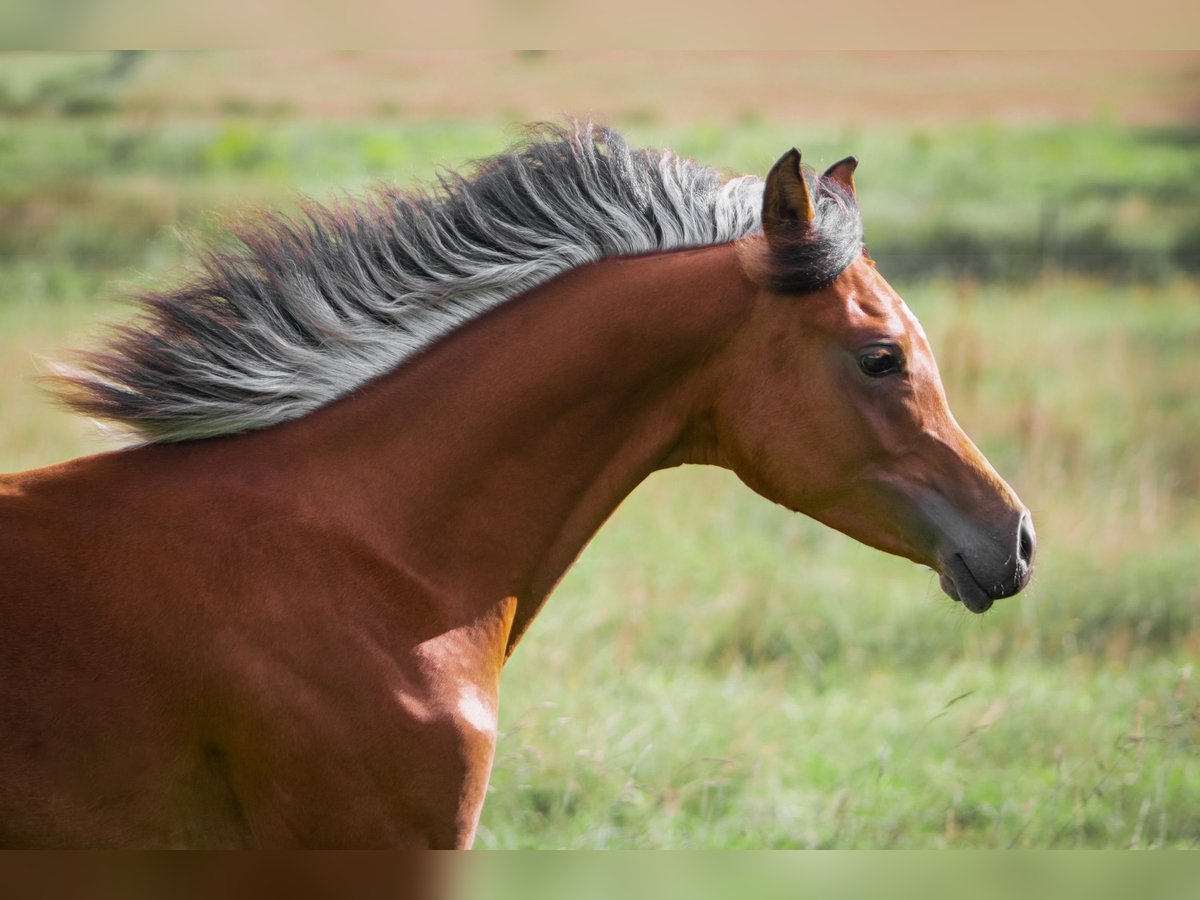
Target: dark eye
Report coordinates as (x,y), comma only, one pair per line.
(879,361)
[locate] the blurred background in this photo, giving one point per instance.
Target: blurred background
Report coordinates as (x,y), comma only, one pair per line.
(716,672)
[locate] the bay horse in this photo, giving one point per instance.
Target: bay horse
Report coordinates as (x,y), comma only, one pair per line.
(375,437)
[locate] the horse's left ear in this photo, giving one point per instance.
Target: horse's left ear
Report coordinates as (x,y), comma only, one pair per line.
(843,173)
(787,204)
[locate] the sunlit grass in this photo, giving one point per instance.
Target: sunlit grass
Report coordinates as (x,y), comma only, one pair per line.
(972,199)
(963,754)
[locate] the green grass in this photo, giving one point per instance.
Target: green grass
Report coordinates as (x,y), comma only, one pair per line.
(716,672)
(970,200)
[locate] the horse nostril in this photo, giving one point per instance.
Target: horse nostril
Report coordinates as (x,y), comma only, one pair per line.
(1026,542)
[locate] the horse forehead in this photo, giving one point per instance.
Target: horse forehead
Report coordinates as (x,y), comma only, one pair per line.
(910,318)
(883,310)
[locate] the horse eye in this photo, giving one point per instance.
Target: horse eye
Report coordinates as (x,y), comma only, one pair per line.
(879,362)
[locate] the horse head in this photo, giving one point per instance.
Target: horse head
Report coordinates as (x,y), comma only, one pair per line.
(833,405)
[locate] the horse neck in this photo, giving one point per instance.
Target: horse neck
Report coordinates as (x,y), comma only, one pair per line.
(487,463)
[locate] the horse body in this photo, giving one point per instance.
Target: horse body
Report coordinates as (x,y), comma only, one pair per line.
(294,636)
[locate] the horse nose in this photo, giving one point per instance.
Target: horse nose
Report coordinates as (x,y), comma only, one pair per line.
(1026,549)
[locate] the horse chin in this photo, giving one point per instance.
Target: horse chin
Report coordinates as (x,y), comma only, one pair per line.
(963,589)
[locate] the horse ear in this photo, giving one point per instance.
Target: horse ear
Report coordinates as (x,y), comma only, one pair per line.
(786,200)
(843,173)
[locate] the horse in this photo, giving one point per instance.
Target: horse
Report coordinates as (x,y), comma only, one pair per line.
(372,438)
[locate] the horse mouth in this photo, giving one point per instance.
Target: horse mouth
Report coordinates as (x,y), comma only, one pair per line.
(960,585)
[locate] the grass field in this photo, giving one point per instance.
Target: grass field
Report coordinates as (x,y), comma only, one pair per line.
(716,672)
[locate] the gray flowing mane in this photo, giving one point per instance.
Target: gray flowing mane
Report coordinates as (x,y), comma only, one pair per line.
(306,310)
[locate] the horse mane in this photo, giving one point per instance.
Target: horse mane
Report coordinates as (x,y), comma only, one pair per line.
(304,310)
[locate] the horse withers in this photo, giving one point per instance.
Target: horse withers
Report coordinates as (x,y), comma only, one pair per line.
(374,440)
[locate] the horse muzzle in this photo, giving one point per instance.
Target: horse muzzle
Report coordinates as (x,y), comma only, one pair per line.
(979,573)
